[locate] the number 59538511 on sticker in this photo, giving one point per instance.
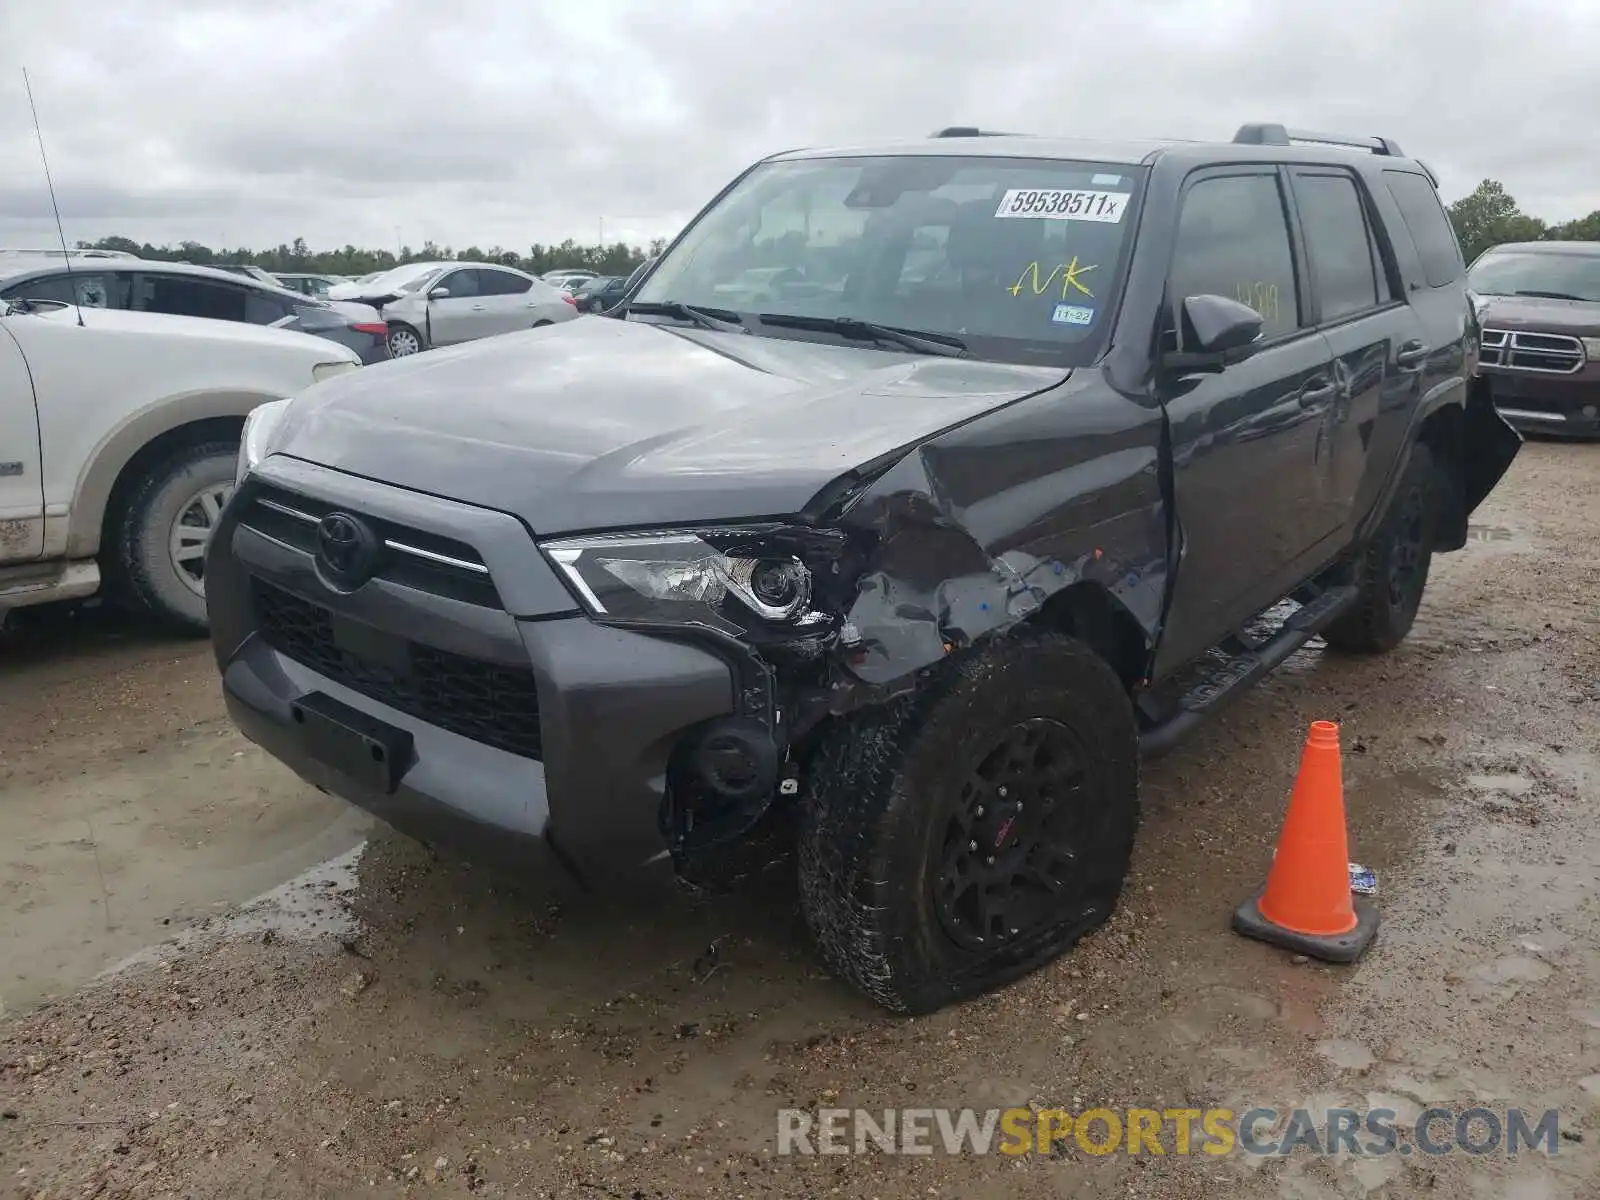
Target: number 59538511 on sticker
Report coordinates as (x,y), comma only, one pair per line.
(1063,204)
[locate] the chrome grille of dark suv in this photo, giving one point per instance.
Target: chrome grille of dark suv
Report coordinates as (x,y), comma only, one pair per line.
(492,704)
(424,561)
(1518,350)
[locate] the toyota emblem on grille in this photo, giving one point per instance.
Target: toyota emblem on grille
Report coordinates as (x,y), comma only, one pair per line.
(347,550)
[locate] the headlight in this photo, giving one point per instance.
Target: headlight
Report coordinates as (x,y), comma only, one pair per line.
(328,370)
(259,427)
(1591,347)
(743,582)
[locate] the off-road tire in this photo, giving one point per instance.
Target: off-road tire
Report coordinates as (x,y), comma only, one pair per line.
(147,580)
(884,784)
(1393,571)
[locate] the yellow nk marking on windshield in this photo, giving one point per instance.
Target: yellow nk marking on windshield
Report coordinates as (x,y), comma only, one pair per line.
(1070,278)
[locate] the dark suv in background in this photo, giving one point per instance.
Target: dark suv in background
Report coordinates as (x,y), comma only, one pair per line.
(912,494)
(1539,306)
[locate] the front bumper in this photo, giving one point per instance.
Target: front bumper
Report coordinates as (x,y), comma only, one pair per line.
(1562,405)
(584,787)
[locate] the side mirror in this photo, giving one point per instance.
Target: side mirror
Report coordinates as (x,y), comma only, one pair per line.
(1216,332)
(439,293)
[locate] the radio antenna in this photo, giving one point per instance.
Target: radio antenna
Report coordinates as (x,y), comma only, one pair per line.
(66,255)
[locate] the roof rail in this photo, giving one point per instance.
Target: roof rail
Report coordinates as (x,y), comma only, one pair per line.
(965,131)
(1278,135)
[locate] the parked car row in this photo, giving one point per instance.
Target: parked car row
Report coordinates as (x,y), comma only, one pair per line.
(120,429)
(125,385)
(429,304)
(178,289)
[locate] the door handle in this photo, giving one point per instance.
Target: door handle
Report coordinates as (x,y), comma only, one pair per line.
(1315,392)
(479,307)
(1412,354)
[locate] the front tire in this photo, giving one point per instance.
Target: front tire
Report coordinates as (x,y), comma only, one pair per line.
(404,341)
(1393,572)
(165,528)
(969,834)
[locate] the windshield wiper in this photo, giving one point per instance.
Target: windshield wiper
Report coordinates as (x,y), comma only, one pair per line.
(1547,295)
(719,319)
(911,339)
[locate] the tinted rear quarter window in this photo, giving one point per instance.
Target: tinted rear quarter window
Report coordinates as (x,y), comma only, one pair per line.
(1429,227)
(263,308)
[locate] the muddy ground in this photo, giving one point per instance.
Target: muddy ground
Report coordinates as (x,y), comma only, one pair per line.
(398,1024)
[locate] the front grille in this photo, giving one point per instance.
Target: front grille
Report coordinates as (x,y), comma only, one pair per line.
(1518,350)
(495,705)
(424,561)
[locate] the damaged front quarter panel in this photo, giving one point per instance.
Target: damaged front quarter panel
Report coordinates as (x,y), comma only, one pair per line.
(1025,515)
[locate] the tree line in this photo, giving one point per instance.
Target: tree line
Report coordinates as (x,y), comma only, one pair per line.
(619,258)
(1488,216)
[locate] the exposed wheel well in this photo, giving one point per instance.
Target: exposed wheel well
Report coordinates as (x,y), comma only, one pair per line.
(1093,616)
(211,429)
(1444,433)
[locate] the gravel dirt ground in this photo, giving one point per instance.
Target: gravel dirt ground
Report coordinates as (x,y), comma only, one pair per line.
(394,1023)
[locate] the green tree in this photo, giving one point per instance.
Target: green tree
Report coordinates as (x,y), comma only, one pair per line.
(1584,229)
(1489,216)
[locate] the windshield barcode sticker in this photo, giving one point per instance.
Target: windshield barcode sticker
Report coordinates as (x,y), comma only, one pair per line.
(1063,204)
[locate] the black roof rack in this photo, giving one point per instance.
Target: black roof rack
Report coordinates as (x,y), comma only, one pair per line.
(954,131)
(1277,135)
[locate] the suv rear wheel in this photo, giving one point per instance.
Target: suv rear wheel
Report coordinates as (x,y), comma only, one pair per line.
(165,528)
(1394,570)
(967,835)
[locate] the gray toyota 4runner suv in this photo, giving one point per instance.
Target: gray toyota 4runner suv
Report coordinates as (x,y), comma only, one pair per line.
(913,494)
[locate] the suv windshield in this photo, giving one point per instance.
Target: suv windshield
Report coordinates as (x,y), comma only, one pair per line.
(1016,258)
(1514,272)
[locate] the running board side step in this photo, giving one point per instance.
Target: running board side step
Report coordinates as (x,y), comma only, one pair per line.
(1247,662)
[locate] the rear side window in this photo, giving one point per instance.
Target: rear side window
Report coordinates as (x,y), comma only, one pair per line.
(189,296)
(501,283)
(1233,240)
(1430,228)
(1344,260)
(262,308)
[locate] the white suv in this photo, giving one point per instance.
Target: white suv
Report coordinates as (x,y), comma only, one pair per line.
(119,438)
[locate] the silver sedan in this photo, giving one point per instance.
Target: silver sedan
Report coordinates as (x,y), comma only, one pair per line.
(460,302)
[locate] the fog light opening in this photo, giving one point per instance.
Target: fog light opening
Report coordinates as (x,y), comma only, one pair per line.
(736,760)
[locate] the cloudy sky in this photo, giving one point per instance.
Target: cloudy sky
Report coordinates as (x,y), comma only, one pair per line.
(252,122)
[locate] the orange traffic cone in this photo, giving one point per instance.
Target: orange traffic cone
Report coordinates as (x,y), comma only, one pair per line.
(1306,905)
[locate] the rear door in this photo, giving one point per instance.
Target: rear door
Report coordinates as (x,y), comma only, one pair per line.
(1374,335)
(21,465)
(1245,441)
(509,303)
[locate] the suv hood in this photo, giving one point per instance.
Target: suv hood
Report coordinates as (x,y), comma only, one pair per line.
(1538,314)
(601,423)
